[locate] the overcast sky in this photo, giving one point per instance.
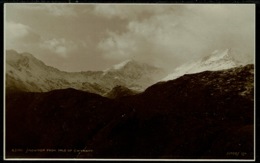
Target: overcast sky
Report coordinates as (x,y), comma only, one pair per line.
(81,37)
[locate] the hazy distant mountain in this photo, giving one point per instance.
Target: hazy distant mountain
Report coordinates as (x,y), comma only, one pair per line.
(26,73)
(132,74)
(218,60)
(203,115)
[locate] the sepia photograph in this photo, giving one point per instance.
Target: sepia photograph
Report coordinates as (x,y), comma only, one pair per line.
(160,82)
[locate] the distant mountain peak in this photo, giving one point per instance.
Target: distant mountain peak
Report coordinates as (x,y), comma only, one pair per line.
(218,55)
(14,55)
(27,55)
(9,51)
(24,59)
(123,64)
(118,66)
(129,65)
(217,60)
(14,52)
(223,51)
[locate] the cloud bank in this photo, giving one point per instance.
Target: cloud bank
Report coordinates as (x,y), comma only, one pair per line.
(94,37)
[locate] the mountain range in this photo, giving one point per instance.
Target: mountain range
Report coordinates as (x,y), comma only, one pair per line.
(26,73)
(206,115)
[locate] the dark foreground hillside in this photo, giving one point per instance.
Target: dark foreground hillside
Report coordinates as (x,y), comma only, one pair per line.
(197,116)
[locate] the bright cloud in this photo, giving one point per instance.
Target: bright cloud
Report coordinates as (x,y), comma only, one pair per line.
(61,46)
(19,36)
(16,30)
